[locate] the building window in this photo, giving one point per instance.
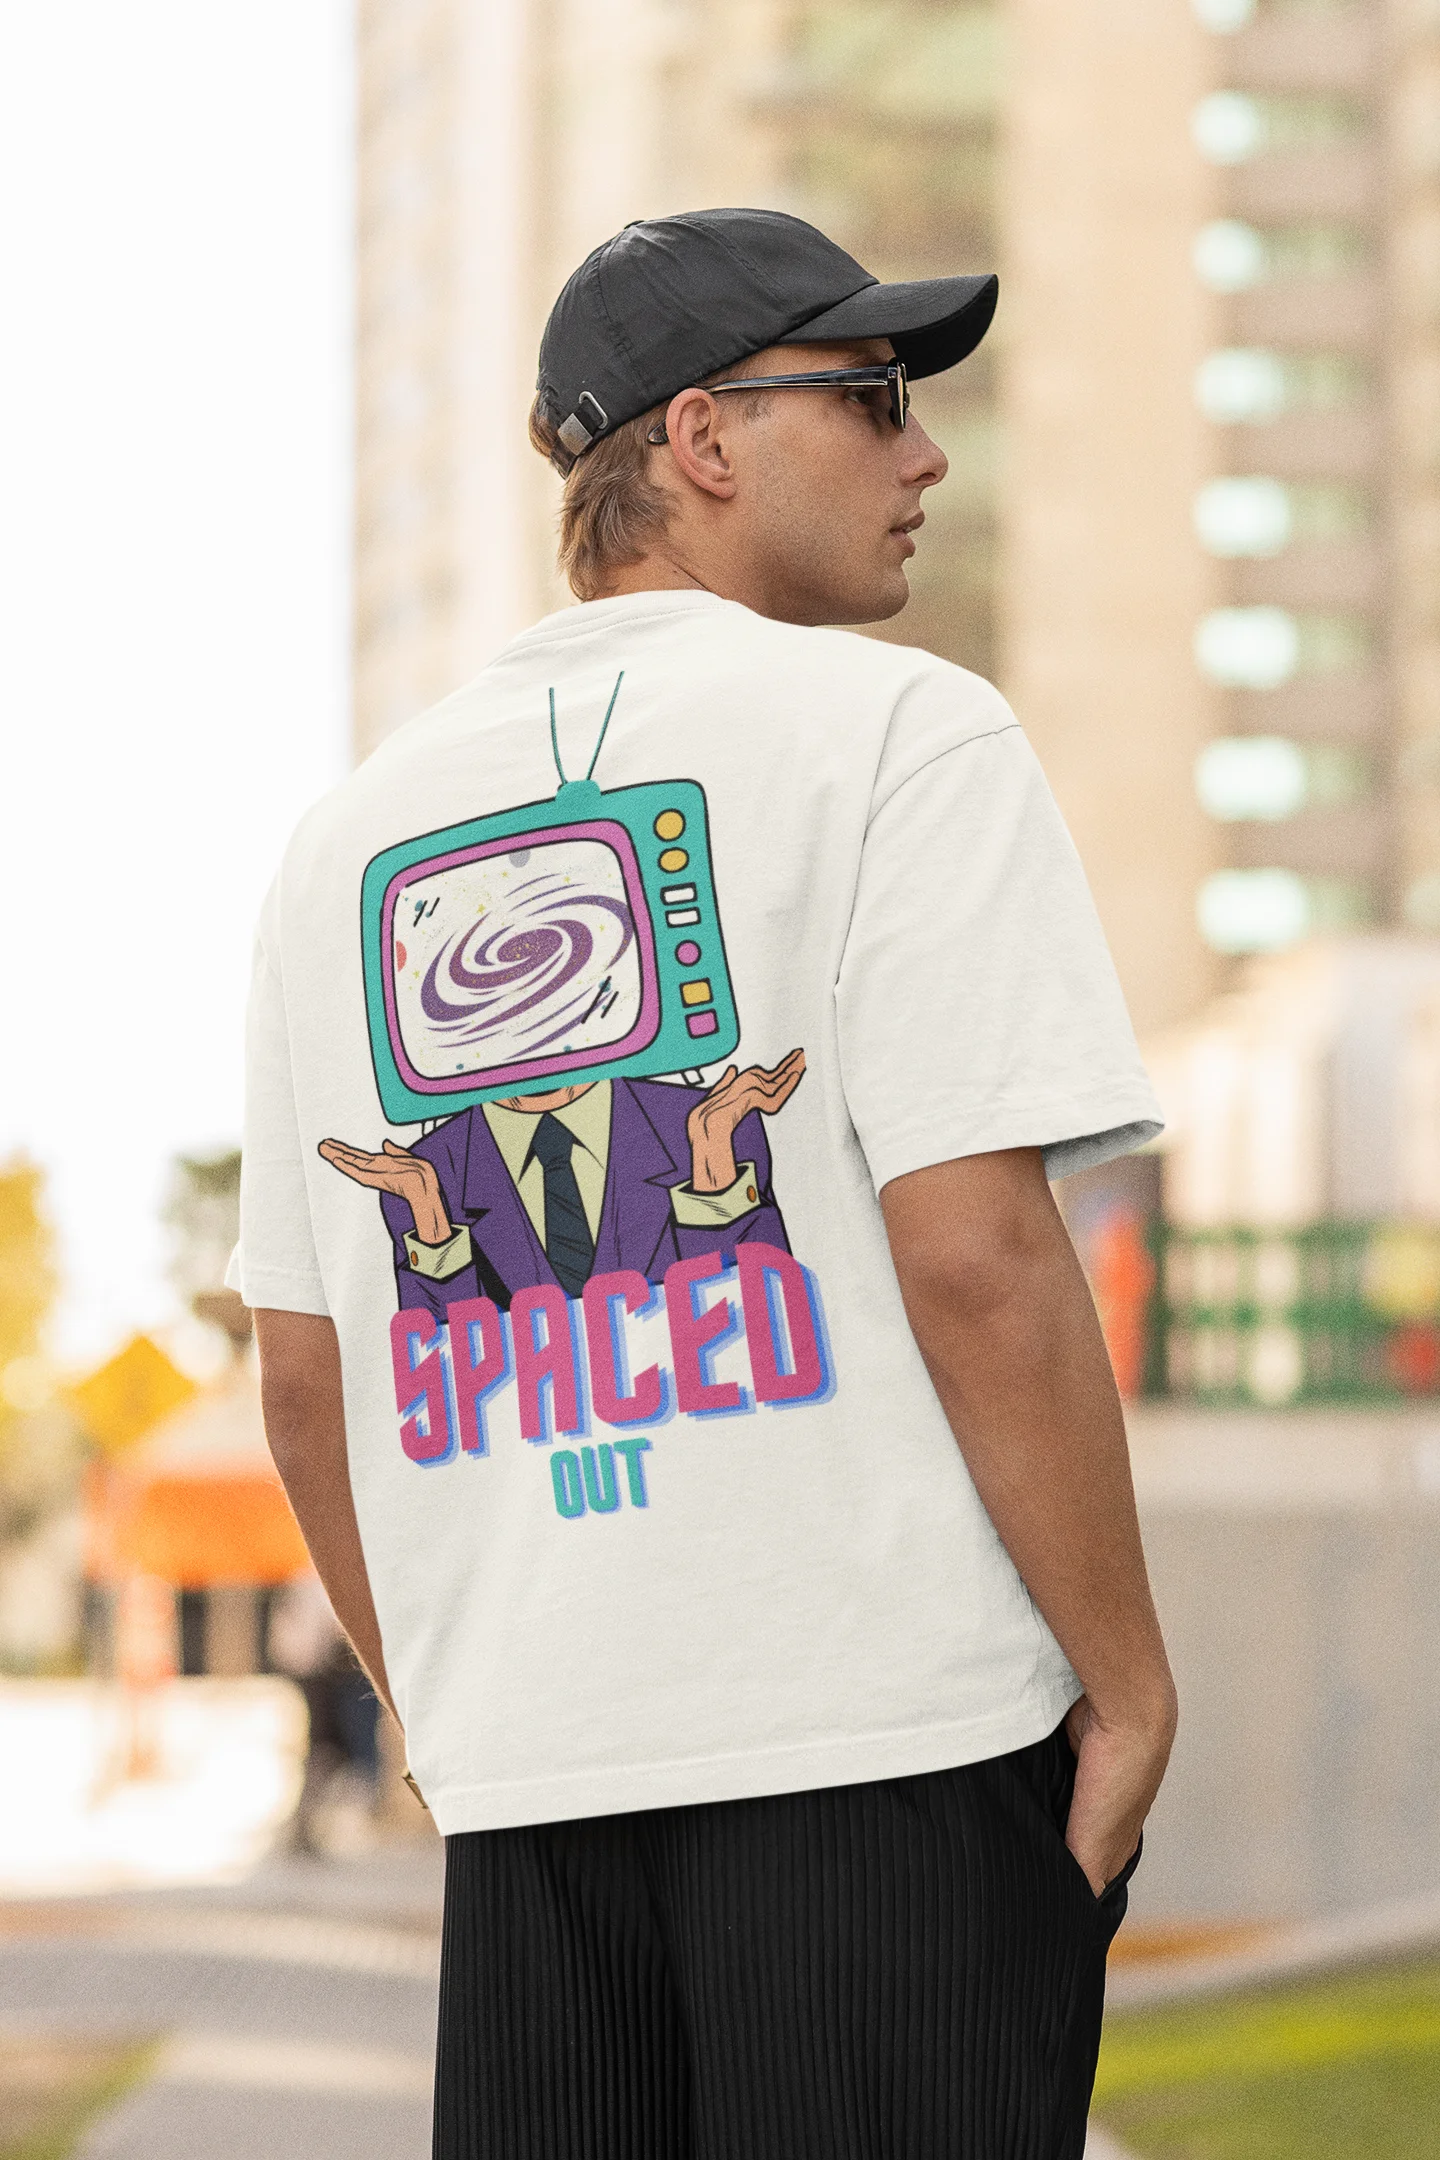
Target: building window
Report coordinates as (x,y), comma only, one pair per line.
(1247,386)
(1224,17)
(1235,126)
(1243,517)
(1255,911)
(1260,648)
(1232,126)
(1231,256)
(1264,778)
(1258,516)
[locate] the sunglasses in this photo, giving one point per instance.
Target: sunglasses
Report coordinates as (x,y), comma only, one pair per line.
(889,376)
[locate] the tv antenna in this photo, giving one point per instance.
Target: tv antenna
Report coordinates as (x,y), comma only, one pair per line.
(599,740)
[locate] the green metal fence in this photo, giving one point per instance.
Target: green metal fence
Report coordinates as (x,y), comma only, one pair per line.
(1335,1312)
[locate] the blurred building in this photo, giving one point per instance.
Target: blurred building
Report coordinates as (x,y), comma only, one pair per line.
(499,145)
(1223,410)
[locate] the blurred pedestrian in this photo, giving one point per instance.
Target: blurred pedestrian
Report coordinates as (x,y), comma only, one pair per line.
(306,1642)
(791,1758)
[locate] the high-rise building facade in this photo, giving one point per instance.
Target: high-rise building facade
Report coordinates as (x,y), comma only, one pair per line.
(1103,582)
(1322,131)
(1223,414)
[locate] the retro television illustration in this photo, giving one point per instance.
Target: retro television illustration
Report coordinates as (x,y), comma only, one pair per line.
(571,939)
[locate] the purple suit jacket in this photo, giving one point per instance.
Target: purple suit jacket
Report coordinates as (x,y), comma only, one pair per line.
(649,1153)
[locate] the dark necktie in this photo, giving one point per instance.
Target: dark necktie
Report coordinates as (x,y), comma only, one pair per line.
(569,1247)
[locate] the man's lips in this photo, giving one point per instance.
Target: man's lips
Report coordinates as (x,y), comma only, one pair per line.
(906,528)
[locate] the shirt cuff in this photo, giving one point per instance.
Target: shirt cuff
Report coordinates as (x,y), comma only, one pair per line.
(712,1210)
(439,1262)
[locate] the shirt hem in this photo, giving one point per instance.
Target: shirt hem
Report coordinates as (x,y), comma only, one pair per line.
(861,1759)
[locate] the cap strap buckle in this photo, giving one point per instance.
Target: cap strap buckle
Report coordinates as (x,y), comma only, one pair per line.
(574,433)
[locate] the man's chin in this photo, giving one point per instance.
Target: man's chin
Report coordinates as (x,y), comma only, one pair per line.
(886,598)
(820,603)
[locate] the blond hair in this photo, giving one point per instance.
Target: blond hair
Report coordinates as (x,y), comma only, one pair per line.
(613,510)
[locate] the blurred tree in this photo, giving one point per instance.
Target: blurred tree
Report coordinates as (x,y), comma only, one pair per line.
(203,1216)
(40,1453)
(28,1279)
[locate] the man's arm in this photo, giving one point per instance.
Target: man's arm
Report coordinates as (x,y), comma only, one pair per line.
(1004,1321)
(305,1426)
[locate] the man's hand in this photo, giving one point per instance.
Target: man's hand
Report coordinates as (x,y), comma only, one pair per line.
(1117,1775)
(409,1177)
(711,1124)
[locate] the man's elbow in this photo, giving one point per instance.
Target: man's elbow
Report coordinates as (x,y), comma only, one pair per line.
(974,1235)
(951,1277)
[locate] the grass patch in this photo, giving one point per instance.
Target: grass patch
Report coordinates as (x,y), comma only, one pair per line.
(1341,2069)
(52,2088)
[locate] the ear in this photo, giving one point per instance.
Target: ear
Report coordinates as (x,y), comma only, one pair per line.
(694,427)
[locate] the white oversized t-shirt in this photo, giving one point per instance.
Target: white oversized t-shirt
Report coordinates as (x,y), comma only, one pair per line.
(658,1502)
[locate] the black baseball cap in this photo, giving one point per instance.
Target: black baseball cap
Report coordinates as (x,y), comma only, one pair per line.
(671,300)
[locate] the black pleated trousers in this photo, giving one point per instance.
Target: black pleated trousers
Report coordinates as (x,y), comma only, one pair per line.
(912,1969)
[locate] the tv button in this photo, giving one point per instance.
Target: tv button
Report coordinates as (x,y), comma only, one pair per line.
(669,825)
(677,895)
(701,1023)
(673,858)
(681,918)
(687,952)
(696,993)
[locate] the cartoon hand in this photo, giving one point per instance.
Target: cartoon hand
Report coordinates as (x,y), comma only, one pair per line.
(409,1177)
(711,1124)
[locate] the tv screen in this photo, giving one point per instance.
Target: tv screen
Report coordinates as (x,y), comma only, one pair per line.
(578,936)
(515,955)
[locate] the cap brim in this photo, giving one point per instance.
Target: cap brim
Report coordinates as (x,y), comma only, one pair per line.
(933,323)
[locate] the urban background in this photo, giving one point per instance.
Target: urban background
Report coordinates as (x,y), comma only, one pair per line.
(1192,529)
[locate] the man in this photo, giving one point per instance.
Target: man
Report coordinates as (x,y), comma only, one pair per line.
(792,1752)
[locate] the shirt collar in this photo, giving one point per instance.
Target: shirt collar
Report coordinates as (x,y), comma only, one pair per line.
(623,612)
(588,1118)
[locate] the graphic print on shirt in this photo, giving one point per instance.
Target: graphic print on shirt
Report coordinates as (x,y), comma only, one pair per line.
(543,987)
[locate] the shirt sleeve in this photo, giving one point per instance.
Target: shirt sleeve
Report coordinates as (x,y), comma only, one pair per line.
(275,1262)
(977,1004)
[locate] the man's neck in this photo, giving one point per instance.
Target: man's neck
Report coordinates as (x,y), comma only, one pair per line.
(654,573)
(715,572)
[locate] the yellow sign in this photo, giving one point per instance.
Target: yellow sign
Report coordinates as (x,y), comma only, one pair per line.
(127,1398)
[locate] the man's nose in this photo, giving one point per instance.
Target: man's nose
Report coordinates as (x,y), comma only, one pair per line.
(923,463)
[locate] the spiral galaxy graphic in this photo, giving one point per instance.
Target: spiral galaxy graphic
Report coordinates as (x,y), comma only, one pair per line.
(517,956)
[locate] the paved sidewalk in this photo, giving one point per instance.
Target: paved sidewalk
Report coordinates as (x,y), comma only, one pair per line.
(295,2012)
